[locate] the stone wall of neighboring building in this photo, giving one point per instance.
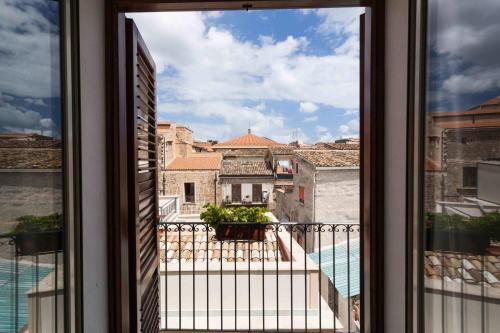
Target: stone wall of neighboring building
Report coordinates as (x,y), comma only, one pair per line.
(285,205)
(207,189)
(465,147)
(304,178)
(433,183)
(337,196)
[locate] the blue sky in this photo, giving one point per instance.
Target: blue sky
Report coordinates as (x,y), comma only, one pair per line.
(286,74)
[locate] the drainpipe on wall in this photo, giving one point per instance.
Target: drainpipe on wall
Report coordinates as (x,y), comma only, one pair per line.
(164,181)
(215,188)
(314,210)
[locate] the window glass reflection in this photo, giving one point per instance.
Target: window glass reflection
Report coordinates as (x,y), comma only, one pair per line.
(462,167)
(31,180)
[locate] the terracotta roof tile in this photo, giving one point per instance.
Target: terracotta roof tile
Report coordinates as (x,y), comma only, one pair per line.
(247,140)
(463,268)
(282,149)
(213,250)
(245,168)
(330,158)
(338,146)
(195,163)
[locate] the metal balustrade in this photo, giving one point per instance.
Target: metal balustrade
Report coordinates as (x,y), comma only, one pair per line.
(289,277)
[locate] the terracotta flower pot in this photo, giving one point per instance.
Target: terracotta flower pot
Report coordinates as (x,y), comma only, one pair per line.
(457,241)
(30,244)
(251,231)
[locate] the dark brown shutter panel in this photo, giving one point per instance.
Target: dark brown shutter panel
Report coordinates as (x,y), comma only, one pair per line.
(257,192)
(236,192)
(141,107)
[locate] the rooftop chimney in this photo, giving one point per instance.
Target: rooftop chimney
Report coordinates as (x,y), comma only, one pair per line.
(249,131)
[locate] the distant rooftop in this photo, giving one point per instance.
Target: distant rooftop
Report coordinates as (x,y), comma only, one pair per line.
(463,269)
(282,149)
(338,145)
(195,163)
(245,168)
(330,158)
(248,140)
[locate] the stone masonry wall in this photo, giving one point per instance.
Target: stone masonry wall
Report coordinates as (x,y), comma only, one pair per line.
(206,187)
(462,148)
(337,196)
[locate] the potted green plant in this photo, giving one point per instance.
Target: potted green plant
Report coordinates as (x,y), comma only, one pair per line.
(240,223)
(35,235)
(457,233)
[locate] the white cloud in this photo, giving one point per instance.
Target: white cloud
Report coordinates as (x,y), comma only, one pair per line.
(351,112)
(465,35)
(308,107)
(35,101)
(234,119)
(205,62)
(29,48)
(350,129)
(342,25)
(323,134)
(208,71)
(17,119)
(311,119)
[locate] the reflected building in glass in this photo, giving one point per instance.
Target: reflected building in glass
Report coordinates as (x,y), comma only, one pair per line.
(461,203)
(31,168)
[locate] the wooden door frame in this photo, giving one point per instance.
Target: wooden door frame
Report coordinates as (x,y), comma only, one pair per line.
(372,152)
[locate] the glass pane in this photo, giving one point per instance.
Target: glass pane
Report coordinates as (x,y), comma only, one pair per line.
(462,167)
(31,179)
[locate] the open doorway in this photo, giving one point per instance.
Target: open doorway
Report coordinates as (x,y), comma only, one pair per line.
(281,269)
(257,125)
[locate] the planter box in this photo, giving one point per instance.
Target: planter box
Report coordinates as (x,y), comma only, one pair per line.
(31,244)
(241,231)
(457,241)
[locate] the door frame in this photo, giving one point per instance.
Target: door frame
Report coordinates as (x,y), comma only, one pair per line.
(372,151)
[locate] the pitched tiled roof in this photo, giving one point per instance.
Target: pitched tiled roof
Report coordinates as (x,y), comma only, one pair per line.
(330,158)
(245,168)
(491,106)
(282,149)
(463,268)
(214,250)
(195,163)
(248,140)
(341,146)
(27,158)
(203,145)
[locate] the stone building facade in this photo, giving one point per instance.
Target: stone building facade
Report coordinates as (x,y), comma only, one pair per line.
(330,193)
(463,149)
(206,188)
(455,143)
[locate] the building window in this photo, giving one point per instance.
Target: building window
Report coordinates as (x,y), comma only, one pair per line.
(189,192)
(469,177)
(301,194)
(297,168)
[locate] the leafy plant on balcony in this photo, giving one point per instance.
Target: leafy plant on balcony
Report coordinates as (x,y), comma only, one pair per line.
(215,215)
(35,235)
(488,224)
(460,233)
(34,224)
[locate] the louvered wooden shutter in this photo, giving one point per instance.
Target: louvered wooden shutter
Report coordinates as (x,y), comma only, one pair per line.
(141,108)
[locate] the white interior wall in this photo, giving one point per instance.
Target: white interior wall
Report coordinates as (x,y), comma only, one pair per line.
(396,42)
(93,122)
